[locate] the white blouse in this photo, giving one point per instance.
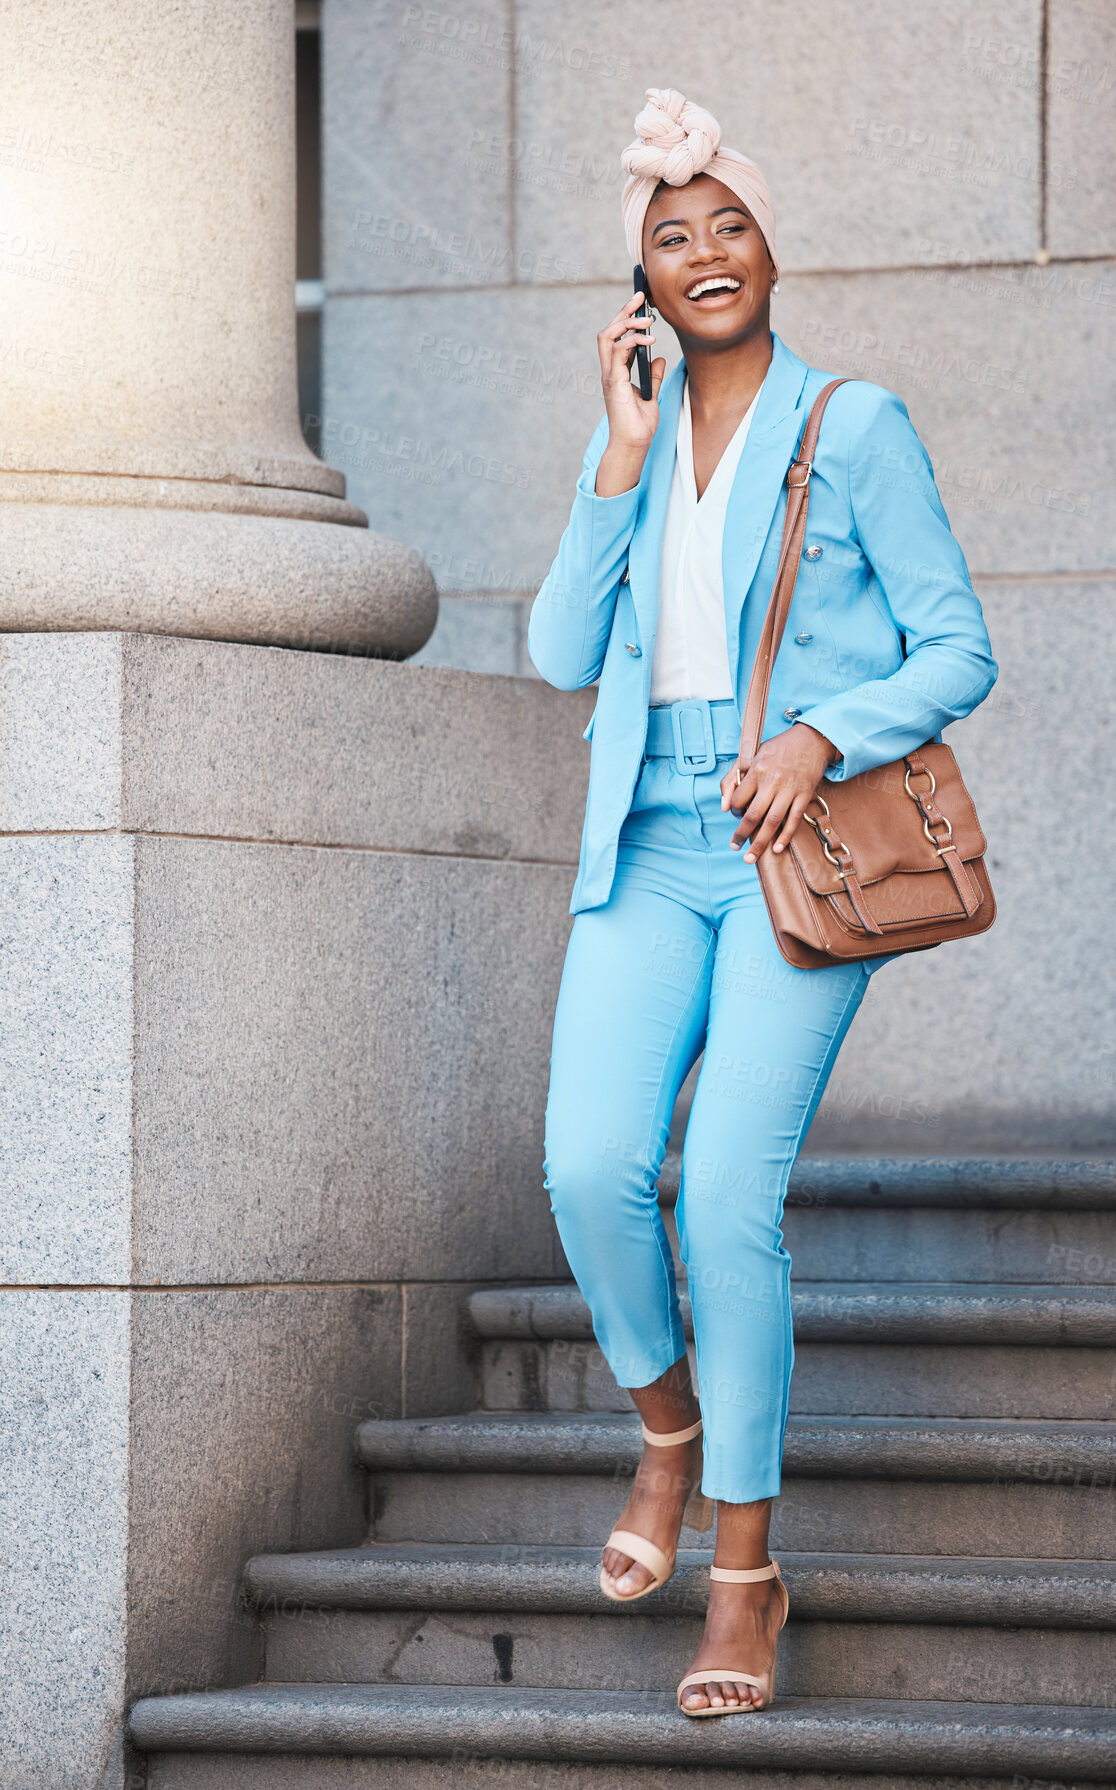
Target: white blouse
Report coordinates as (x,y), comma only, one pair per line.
(691,641)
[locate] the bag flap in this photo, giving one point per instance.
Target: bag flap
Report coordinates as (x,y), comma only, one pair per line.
(881,826)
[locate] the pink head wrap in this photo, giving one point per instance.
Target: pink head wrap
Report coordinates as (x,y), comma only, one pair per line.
(676,141)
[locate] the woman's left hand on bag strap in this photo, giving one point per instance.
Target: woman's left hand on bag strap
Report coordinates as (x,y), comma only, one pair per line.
(772,795)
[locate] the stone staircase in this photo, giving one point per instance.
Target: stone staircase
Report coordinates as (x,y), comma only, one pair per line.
(947,1531)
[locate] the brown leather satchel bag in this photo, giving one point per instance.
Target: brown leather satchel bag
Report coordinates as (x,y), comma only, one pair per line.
(891,860)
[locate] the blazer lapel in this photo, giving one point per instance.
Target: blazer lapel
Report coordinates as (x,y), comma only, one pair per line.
(758,484)
(645,554)
(772,437)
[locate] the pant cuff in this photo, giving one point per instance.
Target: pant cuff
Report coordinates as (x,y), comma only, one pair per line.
(740,1491)
(647,1367)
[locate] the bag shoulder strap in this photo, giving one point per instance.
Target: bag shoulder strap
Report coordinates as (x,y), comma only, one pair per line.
(790,552)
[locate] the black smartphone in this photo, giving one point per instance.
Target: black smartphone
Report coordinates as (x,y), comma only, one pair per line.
(643,354)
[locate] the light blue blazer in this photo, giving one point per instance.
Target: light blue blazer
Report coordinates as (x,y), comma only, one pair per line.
(885,642)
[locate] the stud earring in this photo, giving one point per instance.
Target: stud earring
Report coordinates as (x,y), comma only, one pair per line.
(775,286)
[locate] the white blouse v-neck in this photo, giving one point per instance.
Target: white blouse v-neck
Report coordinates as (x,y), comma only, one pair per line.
(691,641)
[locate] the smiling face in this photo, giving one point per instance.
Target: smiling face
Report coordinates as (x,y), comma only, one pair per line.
(706,262)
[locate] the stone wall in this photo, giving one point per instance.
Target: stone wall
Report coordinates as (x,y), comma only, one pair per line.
(279,937)
(946,229)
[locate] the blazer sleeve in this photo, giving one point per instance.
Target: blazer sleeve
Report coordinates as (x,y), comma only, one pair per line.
(921,572)
(571,618)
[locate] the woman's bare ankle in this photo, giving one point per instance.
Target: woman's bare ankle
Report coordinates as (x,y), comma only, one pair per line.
(669,1403)
(742,1535)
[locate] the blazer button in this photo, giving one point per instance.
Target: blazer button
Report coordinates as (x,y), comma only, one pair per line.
(624,576)
(791,714)
(813,553)
(631,647)
(803,639)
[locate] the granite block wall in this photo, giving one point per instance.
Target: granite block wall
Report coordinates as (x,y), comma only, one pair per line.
(279,937)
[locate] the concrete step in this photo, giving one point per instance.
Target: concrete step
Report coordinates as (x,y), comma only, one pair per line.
(994,1219)
(584,1652)
(880,1349)
(844,1447)
(977,1244)
(978,1291)
(206,1771)
(864,1485)
(1052,1184)
(1079,1594)
(849,1379)
(860,1626)
(836,1311)
(247,1771)
(600,1727)
(1006,1520)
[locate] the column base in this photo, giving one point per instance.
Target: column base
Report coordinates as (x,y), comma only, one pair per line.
(259,580)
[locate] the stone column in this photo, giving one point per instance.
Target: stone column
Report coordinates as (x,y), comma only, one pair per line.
(153,476)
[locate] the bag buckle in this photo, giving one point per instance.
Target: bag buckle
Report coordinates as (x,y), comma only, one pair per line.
(797,484)
(692,725)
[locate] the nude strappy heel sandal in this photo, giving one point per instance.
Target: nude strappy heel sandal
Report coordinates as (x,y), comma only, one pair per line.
(698,1514)
(729,1675)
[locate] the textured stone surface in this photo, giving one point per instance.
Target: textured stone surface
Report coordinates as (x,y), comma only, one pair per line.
(903,1350)
(60,732)
(92,489)
(64,1389)
(1007,1490)
(480,634)
(139,242)
(336,751)
(161,735)
(476,458)
(439,1350)
(150,343)
(604,1726)
(1010,1183)
(846,1659)
(1058,1512)
(976,355)
(842,1378)
(243,1403)
(228,1771)
(198,1085)
(849,1447)
(260,1061)
(218,577)
(1032,979)
(66,967)
(836,1312)
(482,404)
(152,1442)
(963,1382)
(1062,1248)
(908,137)
(1081,131)
(411,94)
(564,1581)
(341,1063)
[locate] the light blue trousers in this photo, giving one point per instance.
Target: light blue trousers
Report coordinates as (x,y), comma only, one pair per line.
(681,958)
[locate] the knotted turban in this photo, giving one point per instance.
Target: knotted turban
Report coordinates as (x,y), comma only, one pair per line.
(677,140)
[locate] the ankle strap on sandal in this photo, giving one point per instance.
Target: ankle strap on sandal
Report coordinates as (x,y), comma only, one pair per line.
(730,1576)
(674,1438)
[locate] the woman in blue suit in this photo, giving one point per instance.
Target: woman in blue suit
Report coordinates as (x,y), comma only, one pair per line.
(658,592)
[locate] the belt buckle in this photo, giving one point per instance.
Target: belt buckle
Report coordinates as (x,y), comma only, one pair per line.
(694,748)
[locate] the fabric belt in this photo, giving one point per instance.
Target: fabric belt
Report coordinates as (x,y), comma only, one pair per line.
(695,733)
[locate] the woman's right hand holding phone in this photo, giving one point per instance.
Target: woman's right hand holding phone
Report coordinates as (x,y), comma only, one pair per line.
(632,420)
